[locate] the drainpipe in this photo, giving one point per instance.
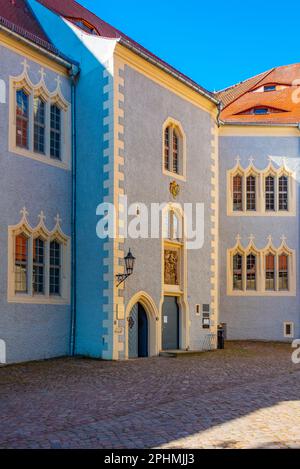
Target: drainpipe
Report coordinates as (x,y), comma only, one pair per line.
(220,108)
(74,72)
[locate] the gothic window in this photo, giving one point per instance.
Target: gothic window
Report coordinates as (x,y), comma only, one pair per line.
(270,272)
(39,125)
(55,132)
(55,268)
(40,263)
(263,192)
(270,193)
(283,193)
(22,118)
(283,272)
(174,150)
(21,263)
(245,266)
(38,273)
(251,193)
(251,272)
(237,272)
(167,149)
(237,193)
(38,120)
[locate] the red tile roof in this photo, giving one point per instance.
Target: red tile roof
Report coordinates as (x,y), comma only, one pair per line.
(284,108)
(18,17)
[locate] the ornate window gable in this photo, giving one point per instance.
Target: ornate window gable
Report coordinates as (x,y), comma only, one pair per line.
(49,98)
(41,233)
(272,276)
(265,195)
(174,149)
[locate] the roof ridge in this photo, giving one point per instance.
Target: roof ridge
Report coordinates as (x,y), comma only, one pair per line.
(242,82)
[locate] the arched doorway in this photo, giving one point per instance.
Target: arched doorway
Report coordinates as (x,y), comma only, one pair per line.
(138,332)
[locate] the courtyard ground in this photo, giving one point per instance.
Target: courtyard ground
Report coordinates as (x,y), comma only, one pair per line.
(247,396)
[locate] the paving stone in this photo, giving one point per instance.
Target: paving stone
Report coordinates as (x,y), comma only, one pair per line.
(246,396)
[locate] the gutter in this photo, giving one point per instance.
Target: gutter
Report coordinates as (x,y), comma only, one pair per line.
(166,69)
(14,31)
(74,73)
(261,124)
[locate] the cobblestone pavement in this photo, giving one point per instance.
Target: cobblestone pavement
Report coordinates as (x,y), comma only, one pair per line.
(247,396)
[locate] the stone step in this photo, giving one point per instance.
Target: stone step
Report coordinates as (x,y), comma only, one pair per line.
(182,353)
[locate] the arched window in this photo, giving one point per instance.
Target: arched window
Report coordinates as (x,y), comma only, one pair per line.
(55,132)
(237,193)
(270,193)
(22,118)
(251,272)
(21,263)
(251,193)
(39,125)
(173,150)
(283,273)
(237,272)
(270,272)
(283,193)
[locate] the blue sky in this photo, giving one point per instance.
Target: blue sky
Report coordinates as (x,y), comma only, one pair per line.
(216,43)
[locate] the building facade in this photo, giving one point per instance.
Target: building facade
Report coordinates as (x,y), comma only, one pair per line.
(36,201)
(91,120)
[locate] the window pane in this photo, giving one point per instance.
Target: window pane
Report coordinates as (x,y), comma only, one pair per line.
(21,261)
(270,193)
(251,193)
(237,272)
(251,272)
(167,149)
(55,132)
(283,193)
(21,119)
(39,125)
(175,152)
(237,193)
(283,273)
(55,268)
(38,266)
(270,272)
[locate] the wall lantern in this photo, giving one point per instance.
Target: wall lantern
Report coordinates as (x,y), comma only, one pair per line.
(129,266)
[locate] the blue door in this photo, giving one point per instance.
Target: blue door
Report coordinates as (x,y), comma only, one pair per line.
(138,333)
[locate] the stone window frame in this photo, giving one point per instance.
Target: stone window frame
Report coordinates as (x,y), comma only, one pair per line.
(39,232)
(176,126)
(40,90)
(261,255)
(261,176)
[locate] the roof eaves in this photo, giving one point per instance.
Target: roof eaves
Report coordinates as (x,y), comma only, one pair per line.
(261,124)
(36,42)
(176,74)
